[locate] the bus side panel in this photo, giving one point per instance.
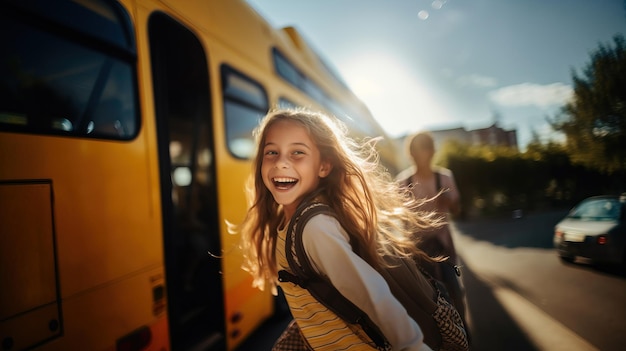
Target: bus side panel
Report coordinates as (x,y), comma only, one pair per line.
(107,233)
(246,306)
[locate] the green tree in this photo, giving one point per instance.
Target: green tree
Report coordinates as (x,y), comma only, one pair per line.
(594,122)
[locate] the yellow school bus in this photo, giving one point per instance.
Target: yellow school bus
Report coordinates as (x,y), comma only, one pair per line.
(125,141)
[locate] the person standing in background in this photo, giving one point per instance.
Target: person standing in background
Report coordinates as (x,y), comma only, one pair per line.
(435,190)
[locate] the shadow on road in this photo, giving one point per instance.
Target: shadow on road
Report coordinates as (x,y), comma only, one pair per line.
(533,231)
(606,269)
(511,232)
(491,327)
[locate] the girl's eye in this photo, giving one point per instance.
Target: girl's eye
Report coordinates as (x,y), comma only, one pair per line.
(270,152)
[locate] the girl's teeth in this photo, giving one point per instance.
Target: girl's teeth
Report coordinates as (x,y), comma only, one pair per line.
(284,180)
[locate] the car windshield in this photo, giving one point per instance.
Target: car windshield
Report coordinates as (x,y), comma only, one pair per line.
(597,210)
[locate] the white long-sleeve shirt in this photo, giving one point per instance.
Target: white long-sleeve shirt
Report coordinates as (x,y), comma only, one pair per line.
(327,245)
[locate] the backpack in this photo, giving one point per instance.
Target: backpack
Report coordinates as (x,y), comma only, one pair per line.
(448,274)
(438,319)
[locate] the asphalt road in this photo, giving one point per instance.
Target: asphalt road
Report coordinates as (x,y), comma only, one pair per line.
(522,297)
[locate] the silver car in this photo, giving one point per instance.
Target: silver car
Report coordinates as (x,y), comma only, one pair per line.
(594,229)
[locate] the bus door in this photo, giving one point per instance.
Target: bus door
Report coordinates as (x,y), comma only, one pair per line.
(188,186)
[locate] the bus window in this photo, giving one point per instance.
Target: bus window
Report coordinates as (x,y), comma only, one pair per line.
(245,103)
(286,70)
(77,82)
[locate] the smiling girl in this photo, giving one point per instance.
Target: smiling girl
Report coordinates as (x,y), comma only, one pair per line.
(301,153)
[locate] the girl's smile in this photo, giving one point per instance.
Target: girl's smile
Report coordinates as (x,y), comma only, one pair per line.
(284,183)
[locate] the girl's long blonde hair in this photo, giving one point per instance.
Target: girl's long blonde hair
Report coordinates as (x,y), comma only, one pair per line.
(378,215)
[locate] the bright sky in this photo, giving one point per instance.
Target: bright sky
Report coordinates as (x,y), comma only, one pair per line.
(424,64)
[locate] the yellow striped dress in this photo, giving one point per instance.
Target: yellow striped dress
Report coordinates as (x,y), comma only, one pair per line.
(323,329)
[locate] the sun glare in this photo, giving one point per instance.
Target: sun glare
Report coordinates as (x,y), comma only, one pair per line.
(393,93)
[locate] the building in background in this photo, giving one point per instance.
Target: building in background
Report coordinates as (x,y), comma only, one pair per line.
(493,135)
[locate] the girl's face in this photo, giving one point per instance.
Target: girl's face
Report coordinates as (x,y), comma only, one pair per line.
(292,166)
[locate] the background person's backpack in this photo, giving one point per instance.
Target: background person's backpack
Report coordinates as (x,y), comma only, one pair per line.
(424,298)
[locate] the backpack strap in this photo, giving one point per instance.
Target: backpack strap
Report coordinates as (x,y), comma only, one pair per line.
(319,287)
(437,181)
